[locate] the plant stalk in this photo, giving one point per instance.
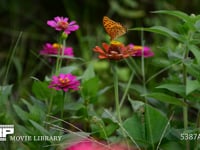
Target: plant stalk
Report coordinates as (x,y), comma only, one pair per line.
(116,90)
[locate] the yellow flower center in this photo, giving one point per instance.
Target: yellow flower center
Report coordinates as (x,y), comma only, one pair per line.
(64,81)
(56,45)
(115,47)
(116,43)
(63,24)
(137,48)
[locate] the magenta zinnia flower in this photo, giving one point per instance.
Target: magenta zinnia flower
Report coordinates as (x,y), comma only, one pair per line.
(83,145)
(138,50)
(61,23)
(55,49)
(64,82)
(89,144)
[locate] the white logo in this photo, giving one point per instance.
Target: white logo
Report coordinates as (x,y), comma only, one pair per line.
(5,130)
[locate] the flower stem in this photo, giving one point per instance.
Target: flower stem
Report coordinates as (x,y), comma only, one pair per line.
(126,90)
(116,90)
(63,105)
(60,54)
(185,108)
(50,103)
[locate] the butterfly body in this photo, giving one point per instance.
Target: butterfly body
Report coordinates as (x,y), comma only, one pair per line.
(114,29)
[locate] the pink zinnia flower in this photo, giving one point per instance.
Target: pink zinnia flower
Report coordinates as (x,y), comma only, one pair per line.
(88,144)
(64,82)
(55,49)
(138,50)
(61,23)
(83,145)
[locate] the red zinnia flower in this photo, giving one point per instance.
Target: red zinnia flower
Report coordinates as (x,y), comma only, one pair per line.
(115,51)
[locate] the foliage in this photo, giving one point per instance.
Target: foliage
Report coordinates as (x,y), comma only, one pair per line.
(149,103)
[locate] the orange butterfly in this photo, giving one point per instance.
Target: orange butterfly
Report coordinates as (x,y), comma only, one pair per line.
(114,29)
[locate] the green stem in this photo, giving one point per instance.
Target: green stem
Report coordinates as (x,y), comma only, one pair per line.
(126,90)
(144,93)
(87,122)
(116,90)
(63,105)
(185,108)
(197,126)
(51,102)
(60,54)
(11,58)
(58,62)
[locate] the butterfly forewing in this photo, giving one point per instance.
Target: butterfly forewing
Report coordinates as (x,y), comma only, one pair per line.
(114,29)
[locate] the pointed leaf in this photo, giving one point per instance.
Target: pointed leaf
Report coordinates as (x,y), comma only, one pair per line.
(196,51)
(90,89)
(175,88)
(41,90)
(20,113)
(40,128)
(138,134)
(166,98)
(191,85)
(155,122)
(5,91)
(181,15)
(89,73)
(193,70)
(163,31)
(136,105)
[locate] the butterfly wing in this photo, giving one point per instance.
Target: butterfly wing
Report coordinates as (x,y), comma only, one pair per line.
(114,29)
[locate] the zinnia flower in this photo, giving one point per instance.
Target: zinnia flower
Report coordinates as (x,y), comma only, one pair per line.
(115,51)
(83,145)
(55,49)
(92,145)
(64,82)
(62,24)
(138,50)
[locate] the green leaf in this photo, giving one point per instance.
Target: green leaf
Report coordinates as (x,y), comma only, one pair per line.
(197,25)
(196,51)
(90,89)
(41,90)
(148,129)
(68,69)
(111,128)
(155,122)
(193,70)
(136,105)
(191,85)
(89,73)
(18,66)
(20,113)
(172,145)
(74,106)
(5,91)
(179,14)
(166,98)
(175,88)
(163,31)
(40,128)
(135,126)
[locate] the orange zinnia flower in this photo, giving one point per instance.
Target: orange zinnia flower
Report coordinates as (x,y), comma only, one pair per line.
(115,51)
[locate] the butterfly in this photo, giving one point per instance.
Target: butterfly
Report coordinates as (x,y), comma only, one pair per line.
(114,29)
